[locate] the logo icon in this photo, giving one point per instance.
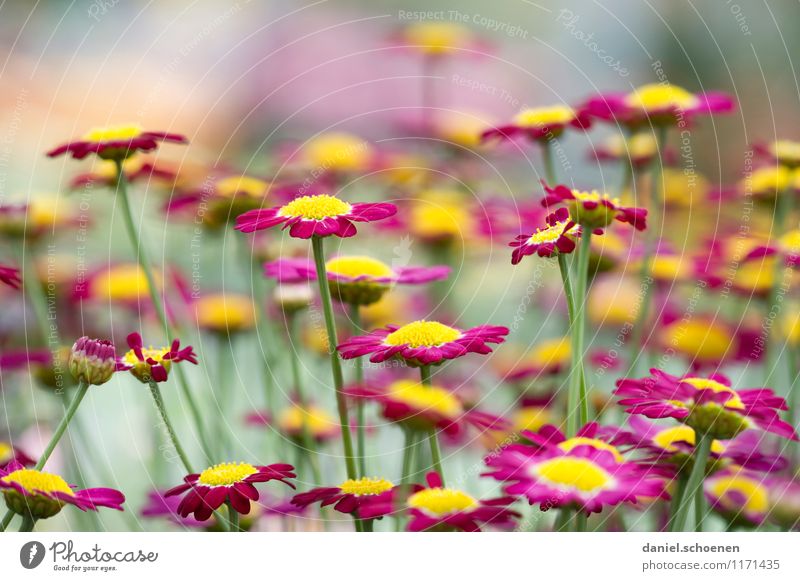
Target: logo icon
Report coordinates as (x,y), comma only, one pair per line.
(31,554)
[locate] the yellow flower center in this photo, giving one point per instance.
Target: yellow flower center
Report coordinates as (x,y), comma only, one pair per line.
(756,496)
(338,151)
(226,474)
(594,196)
(551,352)
(791,241)
(248,186)
(786,151)
(658,96)
(224,312)
(315,207)
(441,213)
(577,473)
(424,397)
(148,353)
(317,420)
(767,181)
(531,418)
(124,282)
(441,501)
(666,267)
(34,481)
(6,452)
(355,266)
(699,339)
(437,37)
(114,133)
(549,234)
(667,438)
(540,116)
(422,334)
(572,443)
(701,383)
(366,486)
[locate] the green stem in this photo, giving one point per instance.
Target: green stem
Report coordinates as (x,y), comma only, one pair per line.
(577,401)
(233,520)
(361,444)
(305,408)
(37,298)
(563,519)
(654,219)
(144,263)
(336,364)
(783,209)
(436,454)
(223,390)
(565,279)
(547,162)
(28,522)
(580,522)
(409,453)
(155,391)
(699,510)
(675,502)
(9,516)
(83,388)
(694,485)
(791,359)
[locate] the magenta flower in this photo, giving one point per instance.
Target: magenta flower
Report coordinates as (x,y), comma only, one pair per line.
(592,209)
(10,276)
(229,482)
(422,343)
(709,405)
(42,495)
(743,497)
(93,361)
(349,496)
(656,103)
(558,237)
(320,215)
(116,143)
(10,454)
(146,363)
(160,506)
(540,124)
(583,476)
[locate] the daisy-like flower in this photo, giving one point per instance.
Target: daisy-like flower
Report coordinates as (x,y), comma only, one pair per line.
(135,168)
(320,215)
(580,473)
(225,313)
(93,361)
(148,364)
(11,454)
(741,496)
(116,143)
(640,149)
(229,482)
(548,357)
(783,151)
(335,151)
(40,495)
(33,218)
(426,407)
(558,237)
(350,495)
(540,124)
(594,210)
(436,508)
(656,103)
(221,200)
(768,182)
(294,420)
(160,506)
(124,283)
(707,404)
(435,39)
(422,343)
(10,276)
(356,280)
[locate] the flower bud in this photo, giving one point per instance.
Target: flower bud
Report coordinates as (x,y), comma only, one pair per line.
(92,360)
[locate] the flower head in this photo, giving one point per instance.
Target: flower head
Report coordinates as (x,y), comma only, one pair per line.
(350,495)
(422,343)
(93,361)
(356,280)
(225,313)
(336,151)
(10,276)
(594,210)
(221,200)
(228,482)
(293,421)
(656,103)
(148,364)
(548,357)
(742,496)
(558,237)
(33,218)
(436,39)
(116,143)
(783,151)
(640,149)
(540,123)
(320,215)
(10,454)
(707,404)
(40,495)
(135,168)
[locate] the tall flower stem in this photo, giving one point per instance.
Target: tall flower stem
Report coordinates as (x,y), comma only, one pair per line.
(233,520)
(694,485)
(36,297)
(547,161)
(355,319)
(144,263)
(336,363)
(302,400)
(155,391)
(655,220)
(436,454)
(677,497)
(794,401)
(28,522)
(577,401)
(783,210)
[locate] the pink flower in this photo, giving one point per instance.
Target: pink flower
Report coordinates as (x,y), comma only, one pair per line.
(349,496)
(10,276)
(116,143)
(592,209)
(540,124)
(146,363)
(319,215)
(558,237)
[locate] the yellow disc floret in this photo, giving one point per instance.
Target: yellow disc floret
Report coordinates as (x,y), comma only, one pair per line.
(441,501)
(114,133)
(542,116)
(754,495)
(575,473)
(225,313)
(226,474)
(658,97)
(319,422)
(667,438)
(572,443)
(426,397)
(437,37)
(701,383)
(241,185)
(423,334)
(34,481)
(142,370)
(356,266)
(315,207)
(337,151)
(366,486)
(122,282)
